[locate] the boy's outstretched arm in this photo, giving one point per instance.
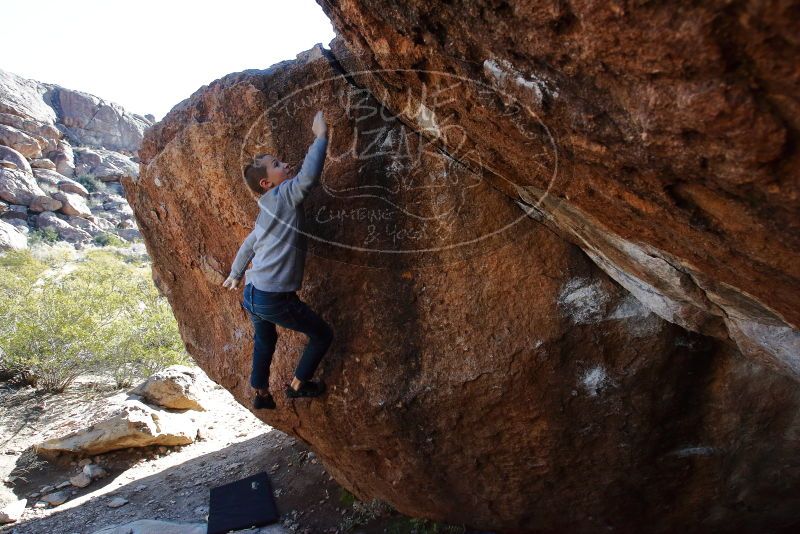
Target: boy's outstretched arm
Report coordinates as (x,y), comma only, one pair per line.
(243,257)
(296,189)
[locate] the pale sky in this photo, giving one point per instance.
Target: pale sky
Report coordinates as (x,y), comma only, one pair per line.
(148,55)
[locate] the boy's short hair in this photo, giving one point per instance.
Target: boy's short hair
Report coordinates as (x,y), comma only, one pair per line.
(253,174)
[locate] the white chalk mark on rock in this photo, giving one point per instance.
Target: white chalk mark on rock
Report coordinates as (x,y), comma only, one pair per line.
(694,451)
(583,301)
(505,74)
(594,380)
(426,119)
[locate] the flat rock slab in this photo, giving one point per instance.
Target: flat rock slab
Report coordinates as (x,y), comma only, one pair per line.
(128,423)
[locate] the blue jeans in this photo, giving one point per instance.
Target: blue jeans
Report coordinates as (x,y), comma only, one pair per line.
(267,309)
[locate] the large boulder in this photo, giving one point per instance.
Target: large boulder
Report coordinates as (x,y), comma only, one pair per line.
(18,187)
(26,144)
(128,234)
(11,238)
(48,179)
(104,223)
(27,120)
(86,225)
(71,186)
(43,163)
(66,231)
(24,98)
(64,158)
(107,165)
(45,131)
(72,204)
(14,212)
(20,224)
(45,203)
(121,423)
(484,369)
(10,155)
(656,136)
(93,121)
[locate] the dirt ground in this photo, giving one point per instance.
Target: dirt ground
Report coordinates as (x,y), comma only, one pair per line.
(173,483)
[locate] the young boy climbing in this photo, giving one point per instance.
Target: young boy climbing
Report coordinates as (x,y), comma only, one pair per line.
(277,248)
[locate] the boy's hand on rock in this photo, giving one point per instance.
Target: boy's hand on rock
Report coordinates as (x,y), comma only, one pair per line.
(319,127)
(231,283)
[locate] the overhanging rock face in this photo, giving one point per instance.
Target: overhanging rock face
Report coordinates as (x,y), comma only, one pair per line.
(660,138)
(484,369)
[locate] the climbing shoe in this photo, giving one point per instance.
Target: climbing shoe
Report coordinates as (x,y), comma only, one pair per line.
(263,402)
(308,388)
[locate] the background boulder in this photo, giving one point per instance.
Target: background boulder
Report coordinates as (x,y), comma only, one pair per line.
(11,238)
(18,187)
(94,121)
(8,154)
(177,387)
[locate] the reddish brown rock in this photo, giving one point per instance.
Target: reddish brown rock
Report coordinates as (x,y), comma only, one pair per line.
(659,137)
(484,370)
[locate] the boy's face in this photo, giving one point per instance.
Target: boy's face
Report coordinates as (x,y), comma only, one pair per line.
(277,171)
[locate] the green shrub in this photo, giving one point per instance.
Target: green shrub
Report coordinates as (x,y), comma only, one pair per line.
(42,235)
(100,313)
(18,272)
(91,183)
(346,498)
(107,239)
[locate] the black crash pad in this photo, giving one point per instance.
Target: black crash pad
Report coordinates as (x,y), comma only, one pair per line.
(242,504)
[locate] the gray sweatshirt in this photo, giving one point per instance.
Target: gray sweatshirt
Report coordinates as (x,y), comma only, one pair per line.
(277,249)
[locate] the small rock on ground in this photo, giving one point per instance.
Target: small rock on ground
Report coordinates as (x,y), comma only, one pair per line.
(116,502)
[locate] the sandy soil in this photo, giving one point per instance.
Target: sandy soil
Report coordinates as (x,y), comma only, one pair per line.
(173,483)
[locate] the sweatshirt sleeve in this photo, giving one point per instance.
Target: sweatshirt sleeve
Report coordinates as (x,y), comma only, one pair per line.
(295,190)
(243,256)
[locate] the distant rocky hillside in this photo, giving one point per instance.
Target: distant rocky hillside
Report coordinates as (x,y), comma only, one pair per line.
(62,154)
